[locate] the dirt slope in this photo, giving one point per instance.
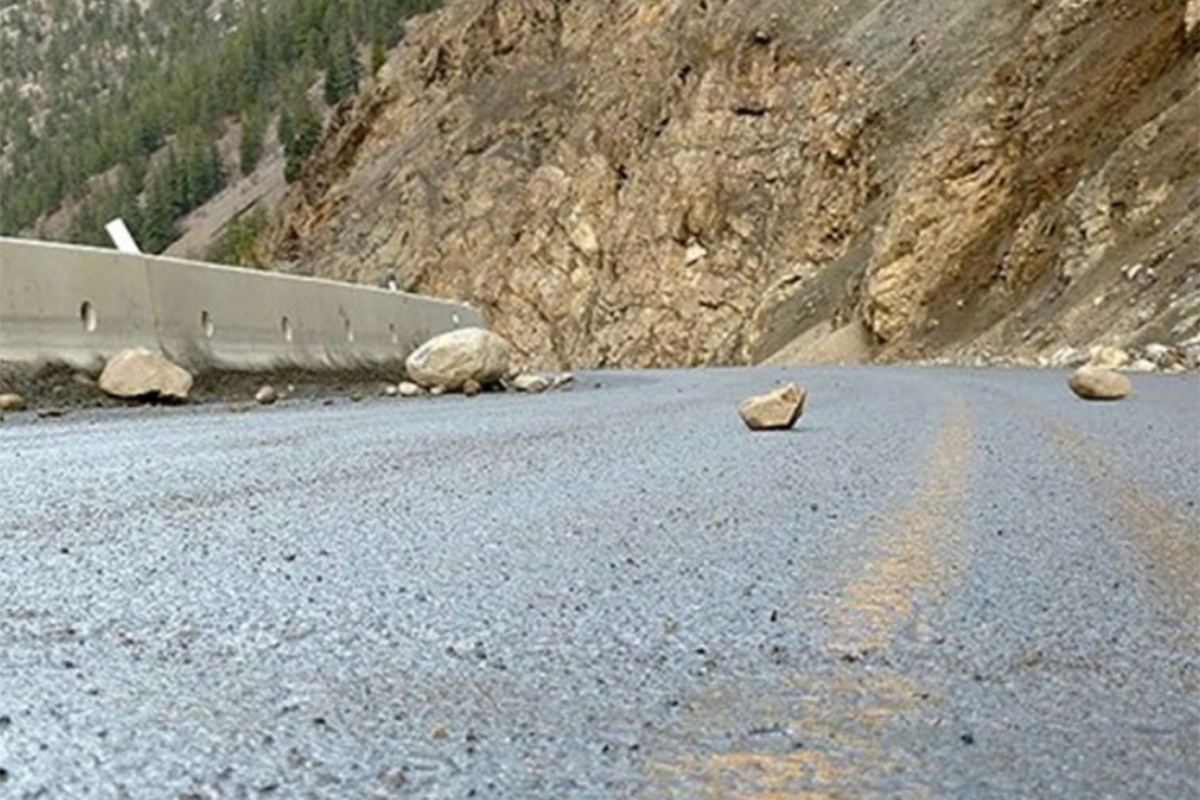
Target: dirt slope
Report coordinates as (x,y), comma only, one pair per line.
(683,182)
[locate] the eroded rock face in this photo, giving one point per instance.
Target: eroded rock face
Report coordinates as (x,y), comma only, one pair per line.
(470,358)
(651,183)
(142,374)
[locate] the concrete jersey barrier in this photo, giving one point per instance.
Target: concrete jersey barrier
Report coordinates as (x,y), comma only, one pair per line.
(71,305)
(80,305)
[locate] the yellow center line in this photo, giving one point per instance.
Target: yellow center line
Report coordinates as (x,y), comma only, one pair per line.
(841,716)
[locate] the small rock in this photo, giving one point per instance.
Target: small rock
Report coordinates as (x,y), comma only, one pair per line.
(528,383)
(266,395)
(1107,357)
(1156,352)
(564,381)
(777,410)
(11,401)
(1068,357)
(471,387)
(140,373)
(440,733)
(50,413)
(409,389)
(1142,365)
(1095,383)
(438,391)
(390,390)
(395,778)
(694,253)
(83,379)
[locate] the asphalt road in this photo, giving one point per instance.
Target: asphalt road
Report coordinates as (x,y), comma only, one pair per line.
(944,583)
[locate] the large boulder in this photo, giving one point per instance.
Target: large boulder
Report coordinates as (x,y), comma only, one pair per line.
(452,359)
(141,373)
(777,410)
(1096,383)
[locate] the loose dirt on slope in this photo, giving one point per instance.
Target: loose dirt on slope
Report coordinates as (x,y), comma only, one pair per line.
(683,183)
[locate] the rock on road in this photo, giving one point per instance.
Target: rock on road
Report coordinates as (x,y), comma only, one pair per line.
(942,583)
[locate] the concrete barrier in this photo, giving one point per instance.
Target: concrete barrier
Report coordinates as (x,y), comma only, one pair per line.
(74,306)
(78,305)
(245,320)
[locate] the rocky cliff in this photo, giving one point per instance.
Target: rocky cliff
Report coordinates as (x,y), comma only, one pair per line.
(686,182)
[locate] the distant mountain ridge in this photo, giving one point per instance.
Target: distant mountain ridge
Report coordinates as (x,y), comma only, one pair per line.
(119,107)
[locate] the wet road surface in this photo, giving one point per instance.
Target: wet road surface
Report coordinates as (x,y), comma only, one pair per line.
(943,583)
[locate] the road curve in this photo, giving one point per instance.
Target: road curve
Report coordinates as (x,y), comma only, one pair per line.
(943,583)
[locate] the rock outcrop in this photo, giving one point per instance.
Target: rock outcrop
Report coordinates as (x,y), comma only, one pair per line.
(657,182)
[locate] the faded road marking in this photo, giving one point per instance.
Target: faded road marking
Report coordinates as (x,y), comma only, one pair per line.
(922,550)
(834,745)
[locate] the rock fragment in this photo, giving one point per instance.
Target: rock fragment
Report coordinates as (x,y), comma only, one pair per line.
(1107,357)
(528,383)
(1096,383)
(266,395)
(11,401)
(777,410)
(142,374)
(1142,365)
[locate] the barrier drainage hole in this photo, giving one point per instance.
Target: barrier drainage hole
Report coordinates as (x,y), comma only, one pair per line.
(206,324)
(286,325)
(349,331)
(394,333)
(87,316)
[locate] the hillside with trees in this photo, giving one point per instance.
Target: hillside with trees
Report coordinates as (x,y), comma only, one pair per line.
(116,108)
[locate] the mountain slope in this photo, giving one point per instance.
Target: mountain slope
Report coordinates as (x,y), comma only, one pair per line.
(681,183)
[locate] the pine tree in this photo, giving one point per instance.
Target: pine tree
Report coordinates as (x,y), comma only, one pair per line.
(158,220)
(342,69)
(250,149)
(303,131)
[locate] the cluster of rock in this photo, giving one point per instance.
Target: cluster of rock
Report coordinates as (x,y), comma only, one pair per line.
(467,361)
(1149,358)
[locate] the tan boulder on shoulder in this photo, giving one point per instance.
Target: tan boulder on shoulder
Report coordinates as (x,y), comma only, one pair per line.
(452,359)
(777,410)
(141,373)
